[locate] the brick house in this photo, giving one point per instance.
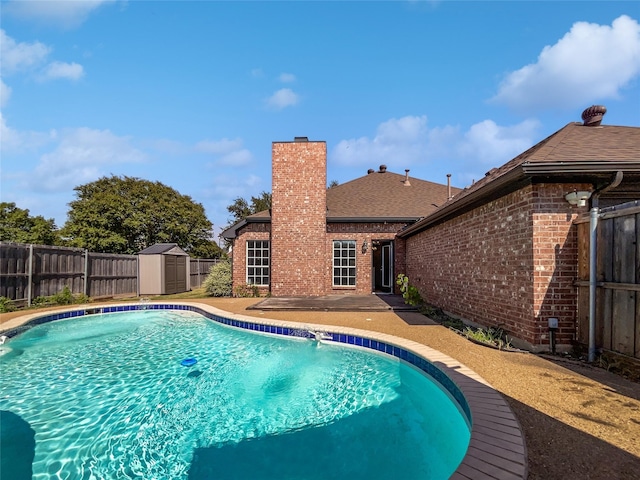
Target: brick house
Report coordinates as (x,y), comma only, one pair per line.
(317,240)
(502,252)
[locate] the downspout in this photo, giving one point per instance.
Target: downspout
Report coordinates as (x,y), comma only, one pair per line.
(593,230)
(593,234)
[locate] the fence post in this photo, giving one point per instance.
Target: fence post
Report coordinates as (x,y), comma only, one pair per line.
(199,280)
(86,272)
(30,275)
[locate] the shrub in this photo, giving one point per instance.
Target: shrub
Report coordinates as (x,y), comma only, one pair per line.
(219,281)
(494,336)
(410,293)
(246,291)
(6,305)
(65,297)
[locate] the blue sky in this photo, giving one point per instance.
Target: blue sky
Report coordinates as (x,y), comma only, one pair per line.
(192,94)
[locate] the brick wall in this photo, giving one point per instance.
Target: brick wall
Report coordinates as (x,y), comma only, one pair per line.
(298,218)
(252,231)
(509,263)
(361,232)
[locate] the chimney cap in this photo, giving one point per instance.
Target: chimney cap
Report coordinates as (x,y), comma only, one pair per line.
(592,116)
(300,139)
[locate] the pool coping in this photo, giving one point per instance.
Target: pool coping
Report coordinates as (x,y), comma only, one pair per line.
(496,450)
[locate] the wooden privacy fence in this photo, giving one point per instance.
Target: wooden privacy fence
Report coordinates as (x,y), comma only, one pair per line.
(617,320)
(199,269)
(30,271)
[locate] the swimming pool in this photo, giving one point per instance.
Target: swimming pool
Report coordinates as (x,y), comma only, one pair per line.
(114,401)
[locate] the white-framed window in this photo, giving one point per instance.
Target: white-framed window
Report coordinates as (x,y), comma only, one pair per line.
(258,262)
(344,263)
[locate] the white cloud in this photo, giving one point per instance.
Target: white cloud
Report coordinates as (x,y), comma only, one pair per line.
(257,73)
(227,152)
(21,56)
(226,186)
(487,141)
(67,14)
(57,70)
(402,140)
(283,98)
(287,77)
(408,141)
(237,158)
(590,63)
(14,141)
(218,147)
(5,93)
(29,57)
(80,157)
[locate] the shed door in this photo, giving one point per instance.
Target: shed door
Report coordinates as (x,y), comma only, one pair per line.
(181,274)
(175,274)
(170,272)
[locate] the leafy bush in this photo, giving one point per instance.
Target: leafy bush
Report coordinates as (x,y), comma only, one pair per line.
(494,336)
(410,293)
(219,281)
(65,297)
(6,305)
(246,291)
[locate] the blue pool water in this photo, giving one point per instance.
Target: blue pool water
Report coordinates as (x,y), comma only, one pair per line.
(107,397)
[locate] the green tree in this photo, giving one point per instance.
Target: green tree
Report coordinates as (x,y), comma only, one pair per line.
(207,249)
(125,215)
(16,225)
(241,208)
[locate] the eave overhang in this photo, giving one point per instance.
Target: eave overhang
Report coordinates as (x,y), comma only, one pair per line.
(594,172)
(230,233)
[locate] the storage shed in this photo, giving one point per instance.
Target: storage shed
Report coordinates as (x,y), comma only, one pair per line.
(163,268)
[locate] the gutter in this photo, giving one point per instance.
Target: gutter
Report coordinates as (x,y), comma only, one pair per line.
(594,166)
(372,219)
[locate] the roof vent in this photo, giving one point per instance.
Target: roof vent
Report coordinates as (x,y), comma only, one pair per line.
(300,139)
(406,178)
(370,171)
(592,116)
(383,168)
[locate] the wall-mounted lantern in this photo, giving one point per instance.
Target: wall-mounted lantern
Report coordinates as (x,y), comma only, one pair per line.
(365,246)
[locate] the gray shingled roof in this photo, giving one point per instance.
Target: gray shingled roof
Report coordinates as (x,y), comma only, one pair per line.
(160,248)
(378,196)
(574,153)
(385,195)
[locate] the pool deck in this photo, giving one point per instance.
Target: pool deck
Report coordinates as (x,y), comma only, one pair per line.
(532,418)
(335,303)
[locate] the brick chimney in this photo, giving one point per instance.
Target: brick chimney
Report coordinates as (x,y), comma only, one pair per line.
(299,218)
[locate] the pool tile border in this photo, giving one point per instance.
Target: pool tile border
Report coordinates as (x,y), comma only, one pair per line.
(496,450)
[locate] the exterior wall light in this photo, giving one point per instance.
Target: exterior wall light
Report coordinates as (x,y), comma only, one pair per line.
(365,246)
(578,199)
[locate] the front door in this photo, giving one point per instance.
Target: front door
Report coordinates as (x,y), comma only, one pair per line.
(382,266)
